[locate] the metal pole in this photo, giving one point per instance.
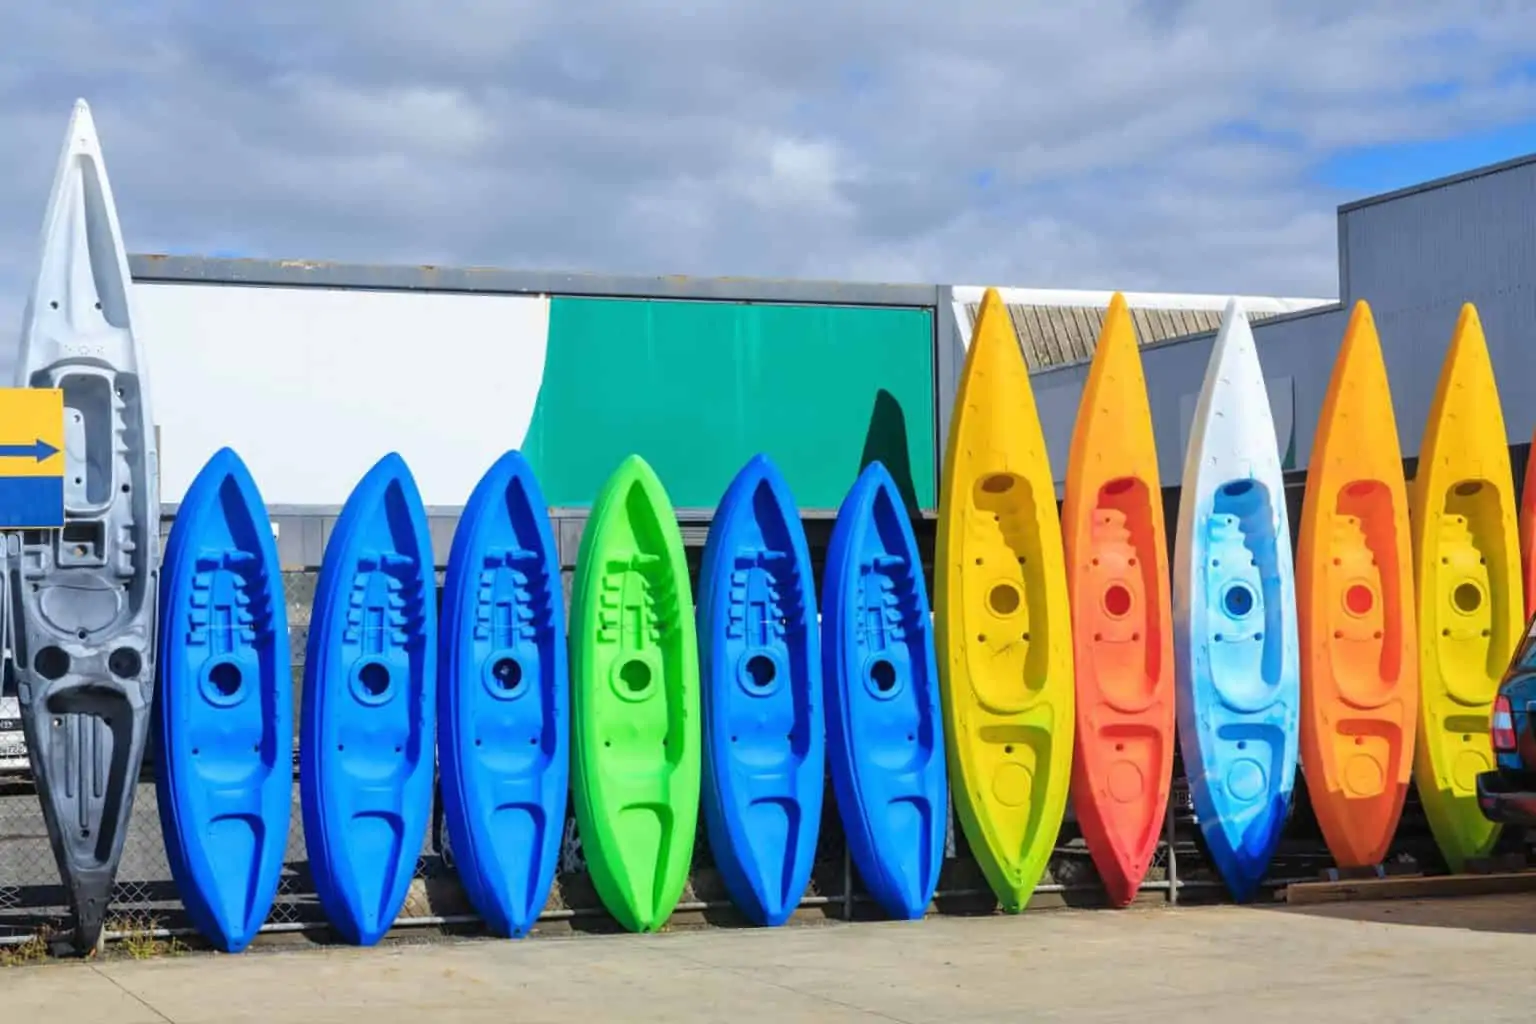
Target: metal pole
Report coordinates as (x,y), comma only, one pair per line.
(847,882)
(1173,857)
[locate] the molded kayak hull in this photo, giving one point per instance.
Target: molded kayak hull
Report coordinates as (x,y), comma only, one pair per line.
(367,724)
(885,733)
(1354,587)
(1234,617)
(764,731)
(85,652)
(1117,571)
(504,699)
(224,713)
(1003,618)
(1466,558)
(635,734)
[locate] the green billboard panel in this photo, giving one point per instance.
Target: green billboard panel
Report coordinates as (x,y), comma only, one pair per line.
(697,388)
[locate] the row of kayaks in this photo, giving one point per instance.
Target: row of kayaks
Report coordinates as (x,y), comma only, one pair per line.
(1068,650)
(1075,649)
(649,712)
(641,718)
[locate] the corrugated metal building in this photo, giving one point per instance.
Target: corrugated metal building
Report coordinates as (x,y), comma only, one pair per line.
(1059,327)
(1415,255)
(576,370)
(733,355)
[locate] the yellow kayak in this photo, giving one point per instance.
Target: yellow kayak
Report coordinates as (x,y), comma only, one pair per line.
(1466,566)
(1002,618)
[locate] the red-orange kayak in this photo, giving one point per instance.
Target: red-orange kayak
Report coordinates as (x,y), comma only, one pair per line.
(1117,574)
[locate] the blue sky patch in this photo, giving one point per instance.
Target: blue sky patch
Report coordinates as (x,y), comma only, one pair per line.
(1368,170)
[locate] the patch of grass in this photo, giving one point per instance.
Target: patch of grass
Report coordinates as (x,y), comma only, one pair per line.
(136,937)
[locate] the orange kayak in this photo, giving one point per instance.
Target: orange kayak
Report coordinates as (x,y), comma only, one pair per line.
(1354,592)
(1528,530)
(1117,575)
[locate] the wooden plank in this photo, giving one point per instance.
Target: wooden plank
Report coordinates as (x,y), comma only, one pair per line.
(1404,887)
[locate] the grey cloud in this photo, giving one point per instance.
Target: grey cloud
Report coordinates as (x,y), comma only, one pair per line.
(715,137)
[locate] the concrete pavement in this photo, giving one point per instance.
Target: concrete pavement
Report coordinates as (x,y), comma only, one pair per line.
(1394,961)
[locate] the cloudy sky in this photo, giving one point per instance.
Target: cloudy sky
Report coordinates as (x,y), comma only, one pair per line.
(1196,145)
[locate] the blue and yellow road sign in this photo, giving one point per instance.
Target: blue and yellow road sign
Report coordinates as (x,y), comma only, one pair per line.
(31,458)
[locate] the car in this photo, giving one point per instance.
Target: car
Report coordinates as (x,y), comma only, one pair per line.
(1507,794)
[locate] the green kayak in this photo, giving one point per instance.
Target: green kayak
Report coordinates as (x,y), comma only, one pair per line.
(635,734)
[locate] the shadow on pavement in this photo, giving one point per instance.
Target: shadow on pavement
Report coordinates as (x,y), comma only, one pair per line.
(1512,913)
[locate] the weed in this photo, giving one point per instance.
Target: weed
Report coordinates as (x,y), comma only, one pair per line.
(34,949)
(137,936)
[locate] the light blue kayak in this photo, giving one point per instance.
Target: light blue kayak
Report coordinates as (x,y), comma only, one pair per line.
(1236,652)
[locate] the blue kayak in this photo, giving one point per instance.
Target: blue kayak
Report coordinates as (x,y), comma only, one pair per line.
(885,739)
(367,725)
(224,711)
(504,699)
(760,661)
(1236,654)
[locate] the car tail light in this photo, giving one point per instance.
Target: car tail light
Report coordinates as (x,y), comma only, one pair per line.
(1503,726)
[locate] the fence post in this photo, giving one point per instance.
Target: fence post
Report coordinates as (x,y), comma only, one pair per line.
(1173,857)
(847,882)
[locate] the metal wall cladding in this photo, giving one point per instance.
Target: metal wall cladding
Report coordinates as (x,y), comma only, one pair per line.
(1296,350)
(1422,247)
(1417,255)
(698,388)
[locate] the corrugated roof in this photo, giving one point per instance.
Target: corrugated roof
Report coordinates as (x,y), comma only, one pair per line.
(1053,335)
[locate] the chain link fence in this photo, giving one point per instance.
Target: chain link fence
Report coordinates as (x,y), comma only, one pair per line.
(33,899)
